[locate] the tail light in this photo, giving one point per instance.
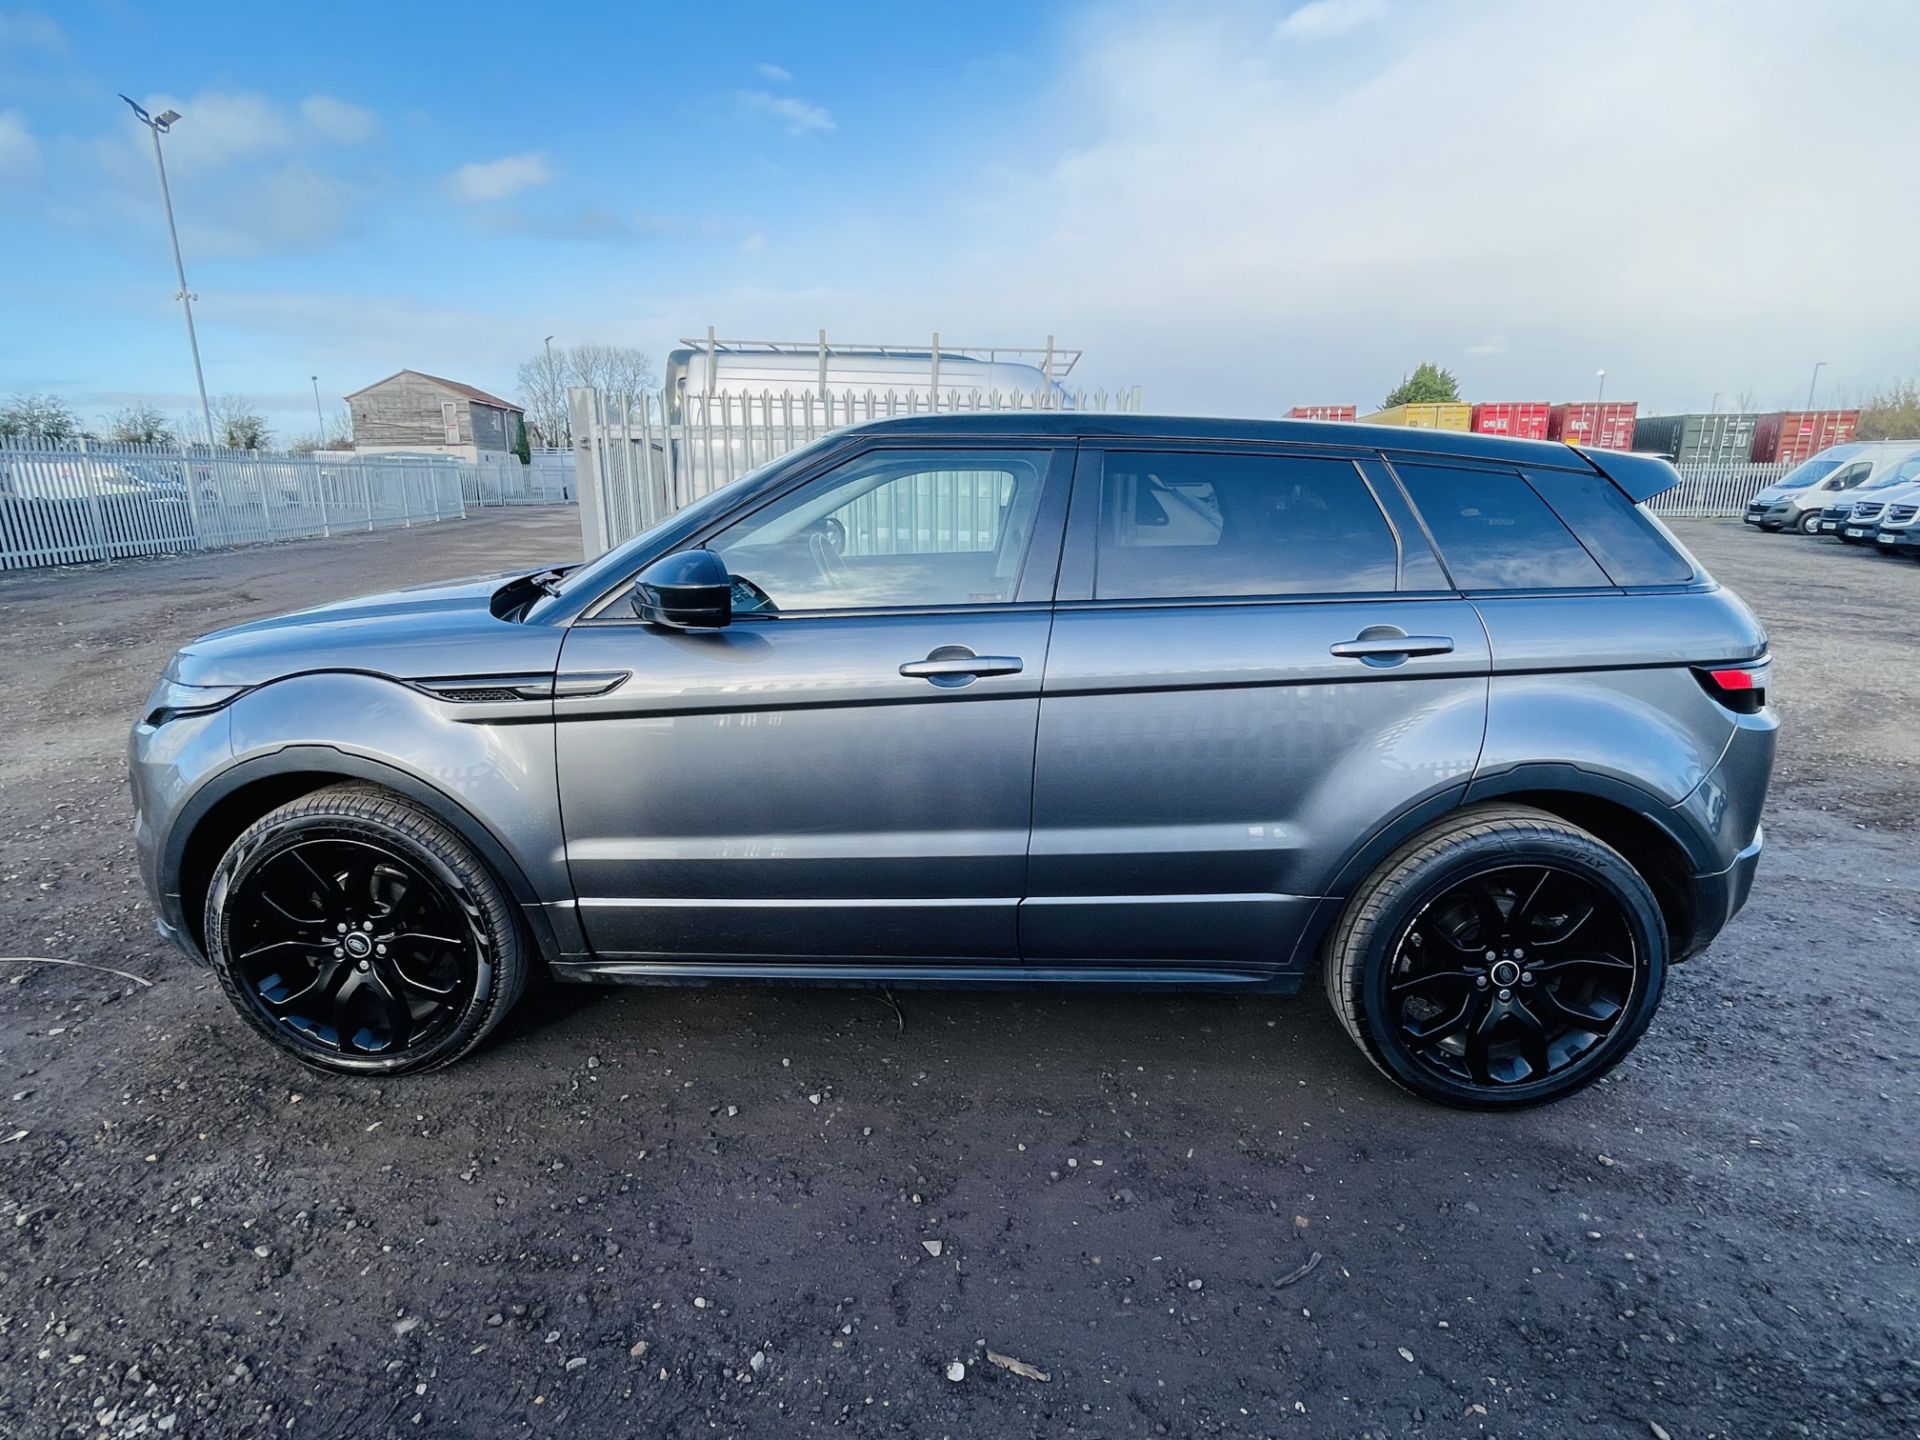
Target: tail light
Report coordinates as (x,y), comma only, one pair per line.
(1741,688)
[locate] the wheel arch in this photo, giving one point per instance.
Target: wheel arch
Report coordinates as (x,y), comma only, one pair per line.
(215,815)
(1646,832)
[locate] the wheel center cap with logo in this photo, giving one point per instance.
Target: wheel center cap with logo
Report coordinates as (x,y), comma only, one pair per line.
(358,945)
(1505,972)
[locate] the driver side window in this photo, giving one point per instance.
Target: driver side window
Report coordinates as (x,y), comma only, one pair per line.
(891,529)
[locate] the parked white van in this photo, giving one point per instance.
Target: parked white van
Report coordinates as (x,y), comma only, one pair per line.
(1795,500)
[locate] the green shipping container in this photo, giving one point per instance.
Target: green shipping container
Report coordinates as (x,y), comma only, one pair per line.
(1725,436)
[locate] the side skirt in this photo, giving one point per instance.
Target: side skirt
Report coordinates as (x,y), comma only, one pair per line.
(991,977)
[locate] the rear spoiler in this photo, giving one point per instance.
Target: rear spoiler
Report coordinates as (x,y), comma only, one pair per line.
(1641,476)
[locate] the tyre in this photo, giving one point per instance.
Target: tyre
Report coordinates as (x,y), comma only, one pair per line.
(1504,958)
(361,935)
(1810,523)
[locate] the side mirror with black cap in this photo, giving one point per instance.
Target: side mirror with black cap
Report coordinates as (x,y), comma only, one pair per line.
(687,590)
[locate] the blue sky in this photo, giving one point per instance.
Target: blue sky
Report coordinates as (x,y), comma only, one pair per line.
(1235,206)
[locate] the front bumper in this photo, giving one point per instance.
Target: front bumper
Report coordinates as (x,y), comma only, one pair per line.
(1904,541)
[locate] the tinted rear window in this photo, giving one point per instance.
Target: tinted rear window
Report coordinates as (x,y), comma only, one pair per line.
(1194,525)
(1616,532)
(1495,533)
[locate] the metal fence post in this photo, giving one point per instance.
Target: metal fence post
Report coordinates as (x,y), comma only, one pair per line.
(93,503)
(320,492)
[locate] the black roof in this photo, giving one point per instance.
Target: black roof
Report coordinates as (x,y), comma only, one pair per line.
(1640,476)
(1346,434)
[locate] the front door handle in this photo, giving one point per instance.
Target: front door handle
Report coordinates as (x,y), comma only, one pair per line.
(1389,644)
(957,665)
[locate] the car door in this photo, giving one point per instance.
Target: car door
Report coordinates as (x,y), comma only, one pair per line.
(1257,661)
(844,772)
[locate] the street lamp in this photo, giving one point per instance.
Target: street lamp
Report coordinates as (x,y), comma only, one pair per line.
(1818,364)
(321,433)
(1602,396)
(160,124)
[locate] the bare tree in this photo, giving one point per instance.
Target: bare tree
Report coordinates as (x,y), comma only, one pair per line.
(1891,413)
(547,376)
(338,436)
(543,389)
(38,417)
(139,424)
(238,425)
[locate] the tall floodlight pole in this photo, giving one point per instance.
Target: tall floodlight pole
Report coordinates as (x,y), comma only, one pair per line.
(1818,365)
(549,439)
(160,124)
(1601,397)
(322,431)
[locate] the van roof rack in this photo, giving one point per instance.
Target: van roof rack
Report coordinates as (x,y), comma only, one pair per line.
(1053,362)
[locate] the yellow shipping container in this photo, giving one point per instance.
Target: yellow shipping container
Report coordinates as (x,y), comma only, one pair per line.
(1442,415)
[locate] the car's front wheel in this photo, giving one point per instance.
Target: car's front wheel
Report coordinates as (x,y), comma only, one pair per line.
(1504,958)
(1810,523)
(360,934)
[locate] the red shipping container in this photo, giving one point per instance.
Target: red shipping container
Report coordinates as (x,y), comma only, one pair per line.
(1523,420)
(1792,435)
(1323,412)
(1603,427)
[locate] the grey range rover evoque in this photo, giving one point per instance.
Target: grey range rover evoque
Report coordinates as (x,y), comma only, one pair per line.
(1447,721)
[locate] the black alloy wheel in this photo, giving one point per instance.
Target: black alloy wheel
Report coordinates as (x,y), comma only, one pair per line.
(1503,957)
(1512,976)
(352,948)
(358,933)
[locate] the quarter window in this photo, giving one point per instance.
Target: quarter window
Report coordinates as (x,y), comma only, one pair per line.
(891,529)
(1495,533)
(1194,526)
(1628,542)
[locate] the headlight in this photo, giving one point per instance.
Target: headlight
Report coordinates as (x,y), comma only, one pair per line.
(171,700)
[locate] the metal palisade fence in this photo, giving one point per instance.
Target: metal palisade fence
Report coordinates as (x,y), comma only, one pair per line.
(1715,488)
(641,457)
(70,502)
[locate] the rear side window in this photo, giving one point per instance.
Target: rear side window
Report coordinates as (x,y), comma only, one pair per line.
(1193,526)
(1619,534)
(1495,533)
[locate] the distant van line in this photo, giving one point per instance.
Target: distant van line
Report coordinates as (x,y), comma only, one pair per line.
(1752,436)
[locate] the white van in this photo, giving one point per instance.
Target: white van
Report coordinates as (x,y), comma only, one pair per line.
(1795,501)
(802,373)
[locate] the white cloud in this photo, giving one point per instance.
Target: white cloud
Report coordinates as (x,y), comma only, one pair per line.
(1314,221)
(19,152)
(32,31)
(799,116)
(484,180)
(778,74)
(338,121)
(753,243)
(1323,19)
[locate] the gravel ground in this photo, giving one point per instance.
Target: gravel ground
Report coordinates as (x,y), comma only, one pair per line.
(653,1213)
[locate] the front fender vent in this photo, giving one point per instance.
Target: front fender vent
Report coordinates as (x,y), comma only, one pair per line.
(506,689)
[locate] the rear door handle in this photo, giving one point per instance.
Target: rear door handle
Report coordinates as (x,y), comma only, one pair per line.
(957,665)
(1372,645)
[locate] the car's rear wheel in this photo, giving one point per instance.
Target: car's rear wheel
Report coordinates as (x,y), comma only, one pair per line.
(1505,958)
(359,934)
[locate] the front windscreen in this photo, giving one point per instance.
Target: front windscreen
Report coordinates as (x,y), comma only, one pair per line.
(1807,472)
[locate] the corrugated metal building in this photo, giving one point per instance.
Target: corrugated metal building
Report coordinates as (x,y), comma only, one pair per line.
(411,412)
